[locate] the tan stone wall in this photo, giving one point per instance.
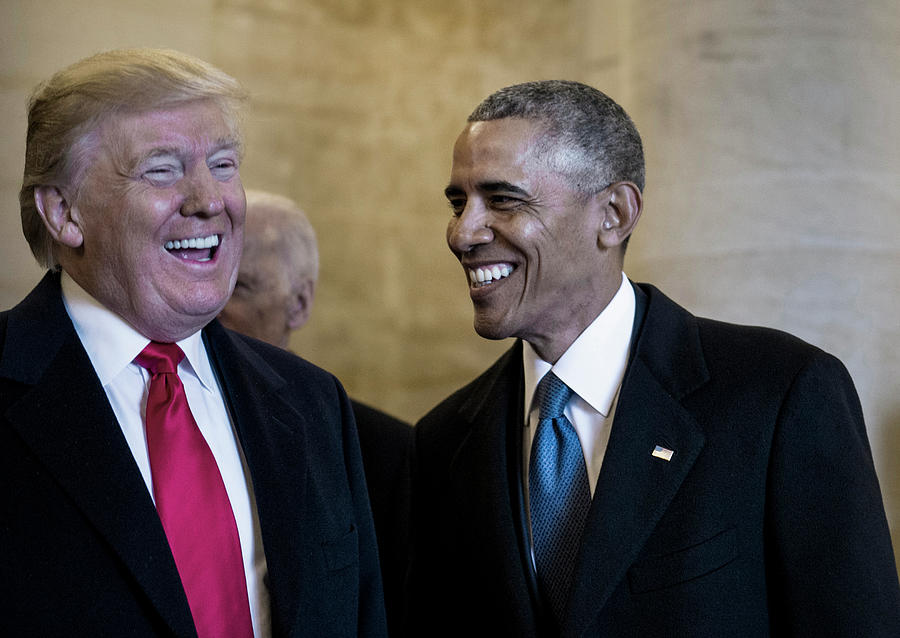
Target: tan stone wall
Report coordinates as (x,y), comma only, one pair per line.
(357,105)
(355,108)
(773,152)
(772,145)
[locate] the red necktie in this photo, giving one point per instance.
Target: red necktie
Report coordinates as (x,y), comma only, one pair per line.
(192,503)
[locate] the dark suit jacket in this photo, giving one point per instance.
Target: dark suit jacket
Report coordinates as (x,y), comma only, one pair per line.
(768,519)
(82,550)
(386,444)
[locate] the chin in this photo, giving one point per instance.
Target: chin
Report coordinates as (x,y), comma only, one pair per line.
(203,302)
(488,330)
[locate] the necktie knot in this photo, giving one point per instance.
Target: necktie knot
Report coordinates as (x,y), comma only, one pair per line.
(192,502)
(559,493)
(552,395)
(160,358)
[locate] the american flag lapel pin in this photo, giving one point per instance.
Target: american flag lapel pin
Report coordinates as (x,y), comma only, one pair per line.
(663,453)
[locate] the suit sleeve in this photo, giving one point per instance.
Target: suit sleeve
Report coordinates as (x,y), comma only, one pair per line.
(372,620)
(827,534)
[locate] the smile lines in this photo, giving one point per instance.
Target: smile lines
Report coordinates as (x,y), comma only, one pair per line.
(485,275)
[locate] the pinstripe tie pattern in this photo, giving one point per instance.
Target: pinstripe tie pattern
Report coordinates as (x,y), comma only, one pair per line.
(559,493)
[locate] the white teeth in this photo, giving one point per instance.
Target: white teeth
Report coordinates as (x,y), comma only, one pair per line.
(485,275)
(193,242)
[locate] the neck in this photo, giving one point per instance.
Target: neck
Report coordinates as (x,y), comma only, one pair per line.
(552,346)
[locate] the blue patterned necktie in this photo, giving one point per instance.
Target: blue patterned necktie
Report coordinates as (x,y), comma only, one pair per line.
(559,493)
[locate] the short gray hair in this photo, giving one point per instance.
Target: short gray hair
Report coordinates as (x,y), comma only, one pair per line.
(277,224)
(65,112)
(588,137)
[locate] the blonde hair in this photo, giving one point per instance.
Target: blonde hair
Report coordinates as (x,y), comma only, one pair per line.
(65,113)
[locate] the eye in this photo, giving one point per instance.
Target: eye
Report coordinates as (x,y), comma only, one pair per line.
(162,174)
(242,287)
(503,202)
(223,165)
(457,205)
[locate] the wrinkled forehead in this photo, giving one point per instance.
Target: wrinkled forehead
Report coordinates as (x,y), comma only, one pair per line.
(497,138)
(265,271)
(509,149)
(199,127)
(494,146)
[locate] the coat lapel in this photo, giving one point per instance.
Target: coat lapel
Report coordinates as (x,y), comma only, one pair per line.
(273,438)
(635,488)
(485,473)
(66,420)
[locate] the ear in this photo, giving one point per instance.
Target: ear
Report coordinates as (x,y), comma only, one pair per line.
(58,216)
(620,214)
(301,304)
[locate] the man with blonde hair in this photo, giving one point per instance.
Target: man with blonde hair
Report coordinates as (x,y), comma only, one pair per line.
(163,476)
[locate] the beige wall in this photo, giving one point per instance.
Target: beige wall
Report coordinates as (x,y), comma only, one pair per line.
(772,144)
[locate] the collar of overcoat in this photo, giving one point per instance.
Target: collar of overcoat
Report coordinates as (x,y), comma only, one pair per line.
(67,422)
(634,487)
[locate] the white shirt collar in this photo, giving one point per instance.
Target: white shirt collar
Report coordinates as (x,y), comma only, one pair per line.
(594,365)
(112,343)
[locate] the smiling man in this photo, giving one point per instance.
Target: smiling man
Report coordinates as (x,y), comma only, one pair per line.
(163,476)
(626,468)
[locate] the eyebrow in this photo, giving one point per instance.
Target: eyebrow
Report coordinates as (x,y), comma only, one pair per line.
(229,143)
(160,151)
(500,186)
(223,143)
(178,152)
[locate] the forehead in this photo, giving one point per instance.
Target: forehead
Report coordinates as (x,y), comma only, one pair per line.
(194,126)
(505,145)
(267,270)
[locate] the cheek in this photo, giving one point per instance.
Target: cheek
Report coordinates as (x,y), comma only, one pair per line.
(162,205)
(242,314)
(537,245)
(235,202)
(530,231)
(451,228)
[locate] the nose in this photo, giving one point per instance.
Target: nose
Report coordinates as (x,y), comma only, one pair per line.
(202,195)
(469,229)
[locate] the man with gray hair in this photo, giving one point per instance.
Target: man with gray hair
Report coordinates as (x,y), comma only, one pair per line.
(276,281)
(163,476)
(273,297)
(626,468)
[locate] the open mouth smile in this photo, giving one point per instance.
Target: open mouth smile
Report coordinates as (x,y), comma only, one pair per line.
(486,275)
(194,248)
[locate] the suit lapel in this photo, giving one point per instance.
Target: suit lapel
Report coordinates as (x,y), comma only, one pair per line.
(485,474)
(67,422)
(635,488)
(273,438)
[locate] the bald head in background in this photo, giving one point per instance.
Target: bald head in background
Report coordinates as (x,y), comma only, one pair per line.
(278,272)
(273,296)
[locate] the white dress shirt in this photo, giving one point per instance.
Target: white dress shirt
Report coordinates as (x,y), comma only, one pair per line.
(593,367)
(112,344)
